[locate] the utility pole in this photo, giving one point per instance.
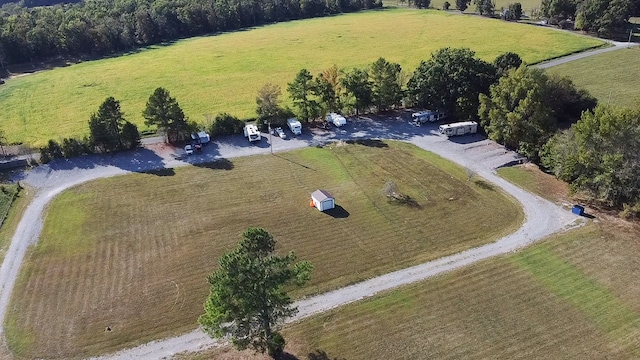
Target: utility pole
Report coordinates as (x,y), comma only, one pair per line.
(629,42)
(270,142)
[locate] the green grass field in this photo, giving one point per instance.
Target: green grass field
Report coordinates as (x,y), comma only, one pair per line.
(222,73)
(136,259)
(532,179)
(527,5)
(575,296)
(610,77)
(557,300)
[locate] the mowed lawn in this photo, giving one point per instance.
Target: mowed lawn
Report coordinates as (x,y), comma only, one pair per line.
(610,77)
(572,297)
(222,73)
(132,252)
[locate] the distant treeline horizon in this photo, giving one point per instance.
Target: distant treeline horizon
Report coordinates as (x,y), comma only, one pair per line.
(102,27)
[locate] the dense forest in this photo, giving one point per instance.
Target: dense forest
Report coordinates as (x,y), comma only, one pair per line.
(100,27)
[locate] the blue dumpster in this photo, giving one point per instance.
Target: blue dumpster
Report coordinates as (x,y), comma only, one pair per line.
(578,210)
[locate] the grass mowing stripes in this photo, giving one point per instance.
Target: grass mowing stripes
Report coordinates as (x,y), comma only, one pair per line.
(494,309)
(135,251)
(223,73)
(564,280)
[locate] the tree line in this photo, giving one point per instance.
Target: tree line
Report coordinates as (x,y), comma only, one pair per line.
(110,132)
(603,17)
(518,106)
(100,27)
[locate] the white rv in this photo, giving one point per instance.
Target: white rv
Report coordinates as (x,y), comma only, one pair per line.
(460,128)
(295,126)
(422,117)
(251,132)
(336,119)
(201,138)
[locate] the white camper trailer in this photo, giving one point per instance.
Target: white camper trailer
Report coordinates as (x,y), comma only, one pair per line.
(294,126)
(251,132)
(426,116)
(460,128)
(336,119)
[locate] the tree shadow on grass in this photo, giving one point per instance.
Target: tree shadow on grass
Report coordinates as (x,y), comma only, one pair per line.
(160,172)
(219,164)
(369,142)
(322,355)
(484,185)
(338,212)
(291,161)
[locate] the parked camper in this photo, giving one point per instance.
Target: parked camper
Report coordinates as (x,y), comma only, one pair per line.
(460,128)
(426,116)
(251,132)
(201,138)
(295,126)
(336,119)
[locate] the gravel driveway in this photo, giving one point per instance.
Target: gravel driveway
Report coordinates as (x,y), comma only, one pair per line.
(474,152)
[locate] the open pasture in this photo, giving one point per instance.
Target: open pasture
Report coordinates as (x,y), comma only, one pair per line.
(132,252)
(610,77)
(223,73)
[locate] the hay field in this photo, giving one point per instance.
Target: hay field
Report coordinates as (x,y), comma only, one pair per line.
(610,77)
(222,73)
(132,252)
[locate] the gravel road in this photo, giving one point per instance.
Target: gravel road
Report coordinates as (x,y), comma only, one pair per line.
(482,156)
(474,152)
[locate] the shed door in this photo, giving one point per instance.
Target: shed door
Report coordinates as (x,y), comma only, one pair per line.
(327,204)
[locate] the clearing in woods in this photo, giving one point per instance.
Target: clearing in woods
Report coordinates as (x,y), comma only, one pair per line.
(222,73)
(136,259)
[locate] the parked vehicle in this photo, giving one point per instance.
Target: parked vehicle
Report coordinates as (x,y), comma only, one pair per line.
(251,133)
(188,149)
(426,116)
(201,138)
(325,125)
(336,119)
(281,133)
(295,126)
(460,128)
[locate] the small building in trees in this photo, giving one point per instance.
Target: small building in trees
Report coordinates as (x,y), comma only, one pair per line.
(322,200)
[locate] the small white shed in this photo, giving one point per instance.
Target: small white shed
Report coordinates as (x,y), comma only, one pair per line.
(322,200)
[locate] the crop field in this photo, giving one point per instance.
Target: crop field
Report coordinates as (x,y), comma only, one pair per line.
(136,259)
(222,73)
(610,77)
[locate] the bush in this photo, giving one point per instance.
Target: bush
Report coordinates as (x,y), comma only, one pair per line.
(226,124)
(72,147)
(51,151)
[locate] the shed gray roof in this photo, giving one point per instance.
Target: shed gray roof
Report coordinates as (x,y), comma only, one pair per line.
(321,195)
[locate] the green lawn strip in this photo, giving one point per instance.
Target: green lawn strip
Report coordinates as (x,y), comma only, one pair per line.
(610,77)
(8,193)
(223,73)
(532,181)
(14,215)
(490,310)
(598,303)
(136,258)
